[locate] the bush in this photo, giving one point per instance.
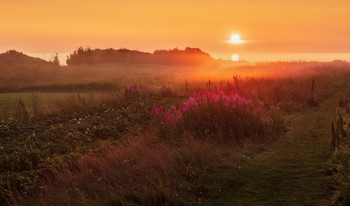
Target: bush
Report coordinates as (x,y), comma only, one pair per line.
(222,114)
(136,91)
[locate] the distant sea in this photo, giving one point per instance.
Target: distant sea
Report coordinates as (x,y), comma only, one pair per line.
(48,56)
(250,57)
(268,57)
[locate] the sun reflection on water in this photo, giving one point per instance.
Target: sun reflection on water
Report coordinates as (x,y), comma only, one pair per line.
(235,57)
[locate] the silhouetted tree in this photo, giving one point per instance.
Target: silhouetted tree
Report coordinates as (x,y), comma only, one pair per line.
(55,60)
(189,56)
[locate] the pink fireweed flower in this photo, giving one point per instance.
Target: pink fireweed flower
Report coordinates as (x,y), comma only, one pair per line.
(216,125)
(181,109)
(166,116)
(226,104)
(214,107)
(220,92)
(272,108)
(258,109)
(267,121)
(186,107)
(155,110)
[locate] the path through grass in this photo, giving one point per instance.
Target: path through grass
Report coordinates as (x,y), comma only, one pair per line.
(292,171)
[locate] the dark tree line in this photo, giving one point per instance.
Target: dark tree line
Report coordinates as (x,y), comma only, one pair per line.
(188,56)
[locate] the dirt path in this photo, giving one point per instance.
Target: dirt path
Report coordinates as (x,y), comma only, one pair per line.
(292,171)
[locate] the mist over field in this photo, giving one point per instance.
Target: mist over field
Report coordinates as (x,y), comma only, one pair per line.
(174,102)
(100,121)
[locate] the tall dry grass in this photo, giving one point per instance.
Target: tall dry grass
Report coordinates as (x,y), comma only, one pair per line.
(141,171)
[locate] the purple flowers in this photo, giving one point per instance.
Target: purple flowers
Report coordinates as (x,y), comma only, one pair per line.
(258,110)
(210,111)
(169,118)
(136,90)
(155,110)
(267,121)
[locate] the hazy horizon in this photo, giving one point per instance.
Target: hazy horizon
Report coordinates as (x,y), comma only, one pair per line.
(249,57)
(271,26)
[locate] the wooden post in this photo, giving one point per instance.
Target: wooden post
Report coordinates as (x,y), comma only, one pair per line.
(340,129)
(312,91)
(312,101)
(333,137)
(126,92)
(235,79)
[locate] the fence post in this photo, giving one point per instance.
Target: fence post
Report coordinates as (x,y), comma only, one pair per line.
(126,92)
(312,91)
(235,79)
(333,137)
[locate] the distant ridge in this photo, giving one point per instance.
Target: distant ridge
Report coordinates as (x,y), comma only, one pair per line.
(188,56)
(15,57)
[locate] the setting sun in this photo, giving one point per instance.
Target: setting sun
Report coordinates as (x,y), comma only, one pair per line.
(236,39)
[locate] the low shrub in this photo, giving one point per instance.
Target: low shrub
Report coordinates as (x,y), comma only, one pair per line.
(221,114)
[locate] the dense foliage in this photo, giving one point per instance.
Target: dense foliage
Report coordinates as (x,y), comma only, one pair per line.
(189,56)
(220,113)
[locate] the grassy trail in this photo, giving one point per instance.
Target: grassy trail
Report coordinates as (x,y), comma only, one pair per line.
(292,171)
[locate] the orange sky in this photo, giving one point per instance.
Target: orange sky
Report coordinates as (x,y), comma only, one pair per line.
(269,25)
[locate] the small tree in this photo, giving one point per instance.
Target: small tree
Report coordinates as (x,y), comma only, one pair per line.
(55,60)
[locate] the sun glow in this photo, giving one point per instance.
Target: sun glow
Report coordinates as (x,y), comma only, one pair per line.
(236,39)
(235,57)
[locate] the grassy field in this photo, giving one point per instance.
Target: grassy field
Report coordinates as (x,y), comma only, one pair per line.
(48,102)
(174,139)
(292,171)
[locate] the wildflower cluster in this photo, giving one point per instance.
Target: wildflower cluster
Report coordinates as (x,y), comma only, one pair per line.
(169,118)
(226,114)
(136,91)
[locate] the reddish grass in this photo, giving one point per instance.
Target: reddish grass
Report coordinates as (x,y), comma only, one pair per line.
(144,170)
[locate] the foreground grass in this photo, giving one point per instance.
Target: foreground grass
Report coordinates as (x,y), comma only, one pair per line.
(146,171)
(27,147)
(150,171)
(340,170)
(158,168)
